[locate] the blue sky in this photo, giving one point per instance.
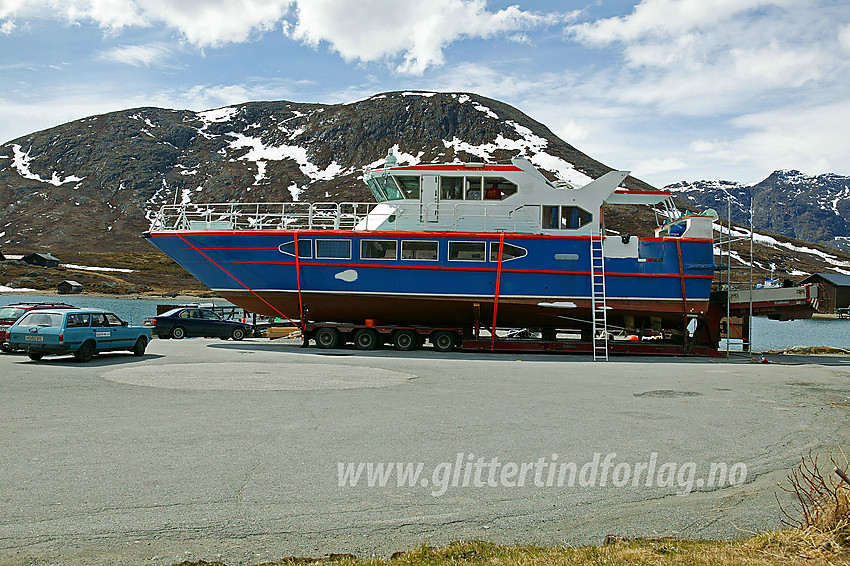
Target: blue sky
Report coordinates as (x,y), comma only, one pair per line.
(670,89)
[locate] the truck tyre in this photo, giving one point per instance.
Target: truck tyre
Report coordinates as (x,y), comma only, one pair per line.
(178,333)
(85,352)
(444,340)
(327,338)
(365,339)
(405,340)
(139,347)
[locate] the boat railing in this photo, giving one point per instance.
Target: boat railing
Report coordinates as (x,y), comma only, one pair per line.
(262,216)
(443,216)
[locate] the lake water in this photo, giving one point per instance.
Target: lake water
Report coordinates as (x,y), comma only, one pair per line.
(131,310)
(767,334)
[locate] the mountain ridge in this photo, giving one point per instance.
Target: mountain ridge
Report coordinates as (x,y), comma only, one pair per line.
(94,183)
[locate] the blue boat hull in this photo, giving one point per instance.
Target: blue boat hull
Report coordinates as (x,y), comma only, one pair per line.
(548,287)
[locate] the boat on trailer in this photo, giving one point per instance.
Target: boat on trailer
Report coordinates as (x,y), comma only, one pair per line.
(460,244)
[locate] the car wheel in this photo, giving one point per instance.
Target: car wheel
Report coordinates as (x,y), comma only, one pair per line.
(178,333)
(5,347)
(35,356)
(365,339)
(85,352)
(238,333)
(139,347)
(405,340)
(444,340)
(327,338)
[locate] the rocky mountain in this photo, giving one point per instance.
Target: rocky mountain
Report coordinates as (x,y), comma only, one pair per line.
(790,203)
(96,181)
(93,184)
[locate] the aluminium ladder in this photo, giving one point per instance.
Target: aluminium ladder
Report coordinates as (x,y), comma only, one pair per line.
(599,308)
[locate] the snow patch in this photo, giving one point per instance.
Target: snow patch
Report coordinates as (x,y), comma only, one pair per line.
(5,289)
(89,268)
(258,151)
(21,163)
(224,114)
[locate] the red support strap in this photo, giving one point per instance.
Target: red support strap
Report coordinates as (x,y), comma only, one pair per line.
(235,279)
(498,284)
(298,280)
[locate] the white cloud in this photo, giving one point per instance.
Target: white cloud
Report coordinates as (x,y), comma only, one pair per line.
(204,23)
(7,27)
(373,30)
(798,138)
(657,165)
(667,18)
(417,31)
(844,37)
(138,55)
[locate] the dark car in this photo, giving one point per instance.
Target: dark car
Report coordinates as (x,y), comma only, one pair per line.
(12,313)
(196,322)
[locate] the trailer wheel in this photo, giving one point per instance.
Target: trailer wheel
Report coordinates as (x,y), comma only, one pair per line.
(327,338)
(365,339)
(405,340)
(444,340)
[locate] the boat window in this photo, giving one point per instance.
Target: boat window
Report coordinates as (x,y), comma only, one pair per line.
(467,251)
(390,188)
(409,186)
(305,248)
(565,217)
(78,321)
(333,249)
(509,252)
(451,188)
(376,189)
(378,249)
(573,217)
(473,188)
(550,217)
(417,249)
(498,188)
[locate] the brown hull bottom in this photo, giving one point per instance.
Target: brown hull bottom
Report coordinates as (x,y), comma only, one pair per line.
(462,311)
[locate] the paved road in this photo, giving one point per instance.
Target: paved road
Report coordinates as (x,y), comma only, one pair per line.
(206,449)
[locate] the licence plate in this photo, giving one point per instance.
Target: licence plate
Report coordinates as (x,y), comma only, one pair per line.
(34,338)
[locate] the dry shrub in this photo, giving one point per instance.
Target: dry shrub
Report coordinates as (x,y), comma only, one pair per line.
(819,522)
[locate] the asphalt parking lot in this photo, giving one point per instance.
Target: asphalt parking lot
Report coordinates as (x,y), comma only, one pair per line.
(204,449)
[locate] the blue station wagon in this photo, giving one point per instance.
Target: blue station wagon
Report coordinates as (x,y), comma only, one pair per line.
(81,332)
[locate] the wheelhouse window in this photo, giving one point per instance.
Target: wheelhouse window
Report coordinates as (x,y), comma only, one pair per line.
(498,188)
(565,217)
(305,248)
(378,249)
(467,251)
(376,190)
(409,186)
(451,188)
(417,249)
(509,252)
(473,188)
(384,188)
(333,249)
